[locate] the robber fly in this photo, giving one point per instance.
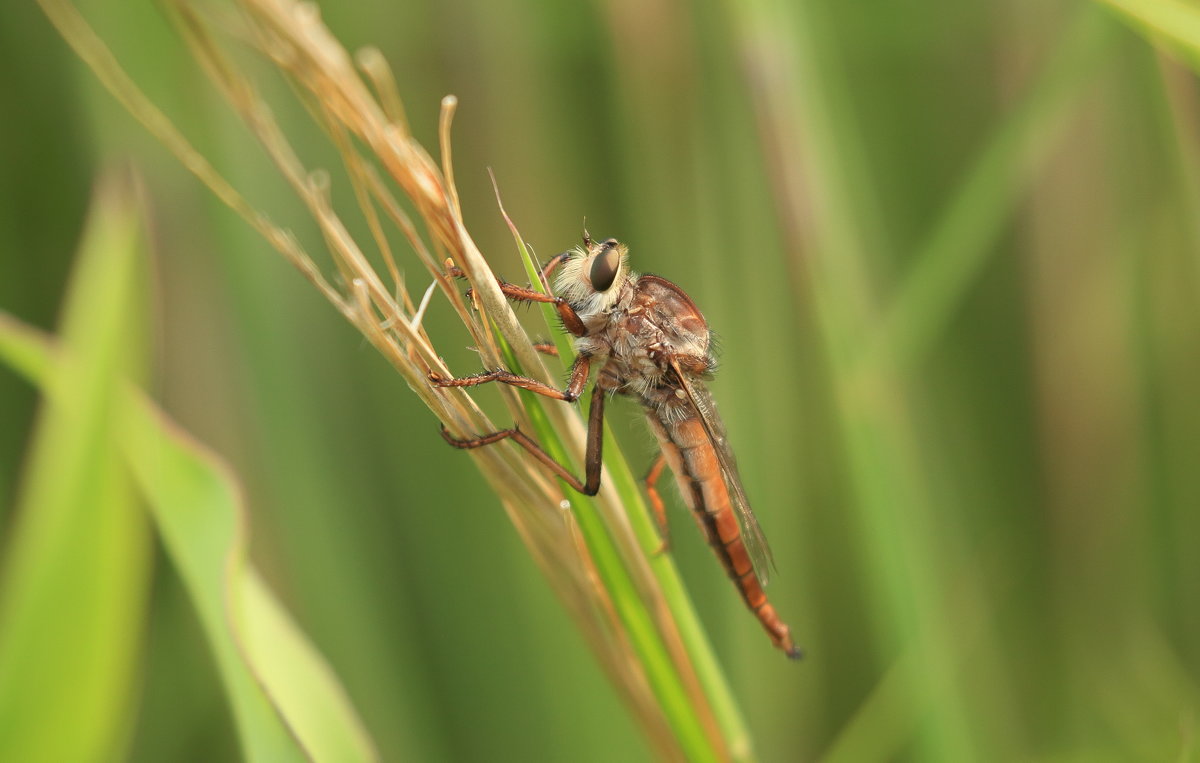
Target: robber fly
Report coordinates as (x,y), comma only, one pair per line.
(651,343)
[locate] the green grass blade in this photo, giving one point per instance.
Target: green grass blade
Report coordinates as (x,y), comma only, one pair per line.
(1176,24)
(276,681)
(691,631)
(695,639)
(819,148)
(961,241)
(641,629)
(661,672)
(286,702)
(73,596)
(297,678)
(708,670)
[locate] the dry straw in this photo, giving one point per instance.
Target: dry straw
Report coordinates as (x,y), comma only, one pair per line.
(597,553)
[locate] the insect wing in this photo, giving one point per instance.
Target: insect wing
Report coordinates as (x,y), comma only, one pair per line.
(752,534)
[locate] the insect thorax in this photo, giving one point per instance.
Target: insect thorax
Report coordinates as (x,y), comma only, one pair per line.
(648,324)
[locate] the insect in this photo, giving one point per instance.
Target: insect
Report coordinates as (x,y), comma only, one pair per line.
(650,342)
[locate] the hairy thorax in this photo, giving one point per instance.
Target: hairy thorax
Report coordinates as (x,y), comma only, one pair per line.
(649,324)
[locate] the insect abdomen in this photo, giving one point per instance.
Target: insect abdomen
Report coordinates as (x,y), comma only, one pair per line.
(697,471)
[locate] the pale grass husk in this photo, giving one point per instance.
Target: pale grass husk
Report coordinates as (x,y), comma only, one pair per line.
(368,127)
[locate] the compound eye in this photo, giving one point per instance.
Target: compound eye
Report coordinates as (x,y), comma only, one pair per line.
(605,266)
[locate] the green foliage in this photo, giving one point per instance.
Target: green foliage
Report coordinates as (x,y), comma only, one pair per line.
(76,566)
(950,250)
(75,585)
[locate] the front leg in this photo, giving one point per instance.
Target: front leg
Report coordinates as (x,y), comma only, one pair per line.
(575,384)
(543,274)
(570,318)
(593,458)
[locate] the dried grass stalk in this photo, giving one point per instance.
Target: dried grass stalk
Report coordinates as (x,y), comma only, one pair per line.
(673,700)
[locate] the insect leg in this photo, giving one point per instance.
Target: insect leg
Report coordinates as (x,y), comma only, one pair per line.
(546,348)
(544,274)
(549,267)
(656,502)
(593,459)
(569,317)
(574,388)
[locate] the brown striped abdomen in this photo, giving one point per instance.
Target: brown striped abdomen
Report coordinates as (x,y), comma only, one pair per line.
(697,471)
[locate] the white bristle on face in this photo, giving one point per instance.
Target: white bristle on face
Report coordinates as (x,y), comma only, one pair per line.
(575,286)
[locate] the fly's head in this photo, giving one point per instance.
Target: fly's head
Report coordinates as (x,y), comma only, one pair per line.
(593,277)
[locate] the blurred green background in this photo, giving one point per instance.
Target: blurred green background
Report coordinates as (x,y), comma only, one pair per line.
(950,249)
